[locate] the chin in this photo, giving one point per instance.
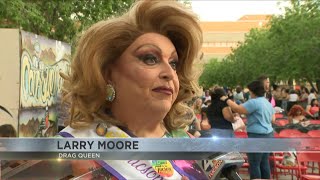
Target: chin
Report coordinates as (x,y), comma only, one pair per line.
(162,107)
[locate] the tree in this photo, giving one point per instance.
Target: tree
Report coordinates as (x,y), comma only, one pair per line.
(287,48)
(297,36)
(243,65)
(60,20)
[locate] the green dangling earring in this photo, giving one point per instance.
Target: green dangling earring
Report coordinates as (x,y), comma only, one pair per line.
(111,93)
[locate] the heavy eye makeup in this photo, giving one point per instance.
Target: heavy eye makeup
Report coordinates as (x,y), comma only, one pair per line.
(148,58)
(152,57)
(174,64)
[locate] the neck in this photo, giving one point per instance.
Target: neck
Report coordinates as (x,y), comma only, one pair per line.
(157,132)
(142,124)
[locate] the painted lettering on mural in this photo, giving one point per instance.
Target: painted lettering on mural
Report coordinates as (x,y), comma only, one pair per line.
(40,83)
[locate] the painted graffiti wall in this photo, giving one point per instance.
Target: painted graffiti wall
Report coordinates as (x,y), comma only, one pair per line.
(40,84)
(9,79)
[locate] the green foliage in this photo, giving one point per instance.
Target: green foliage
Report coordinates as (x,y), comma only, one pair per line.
(187,3)
(288,48)
(60,19)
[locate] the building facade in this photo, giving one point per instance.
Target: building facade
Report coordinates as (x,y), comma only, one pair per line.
(220,37)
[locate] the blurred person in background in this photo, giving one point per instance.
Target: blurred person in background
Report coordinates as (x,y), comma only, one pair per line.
(285,98)
(296,115)
(238,96)
(194,128)
(206,104)
(293,99)
(312,95)
(260,115)
(277,95)
(304,97)
(206,96)
(266,84)
(230,93)
(246,94)
(220,115)
(312,110)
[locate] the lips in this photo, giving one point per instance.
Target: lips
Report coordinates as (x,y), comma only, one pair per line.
(164,90)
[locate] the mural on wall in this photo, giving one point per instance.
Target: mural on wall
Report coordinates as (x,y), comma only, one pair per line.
(41,61)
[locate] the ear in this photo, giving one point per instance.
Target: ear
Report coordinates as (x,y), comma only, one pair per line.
(108,75)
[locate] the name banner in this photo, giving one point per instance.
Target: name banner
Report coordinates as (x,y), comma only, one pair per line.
(145,148)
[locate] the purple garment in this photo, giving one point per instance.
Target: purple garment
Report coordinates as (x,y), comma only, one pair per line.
(191,168)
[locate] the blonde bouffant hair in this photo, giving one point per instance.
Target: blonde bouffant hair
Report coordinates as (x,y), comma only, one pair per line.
(104,42)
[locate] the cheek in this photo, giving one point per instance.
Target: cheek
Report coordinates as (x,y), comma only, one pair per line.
(135,77)
(176,85)
(144,78)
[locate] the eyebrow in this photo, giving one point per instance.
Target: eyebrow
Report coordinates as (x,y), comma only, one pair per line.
(174,52)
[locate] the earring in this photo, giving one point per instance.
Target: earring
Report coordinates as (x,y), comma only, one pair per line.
(111,93)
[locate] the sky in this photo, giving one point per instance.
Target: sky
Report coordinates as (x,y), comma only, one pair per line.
(228,10)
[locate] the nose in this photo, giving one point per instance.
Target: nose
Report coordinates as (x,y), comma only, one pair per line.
(166,73)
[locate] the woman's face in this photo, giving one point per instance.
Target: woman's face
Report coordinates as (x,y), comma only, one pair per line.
(145,74)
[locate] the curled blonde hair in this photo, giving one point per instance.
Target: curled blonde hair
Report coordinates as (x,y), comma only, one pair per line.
(103,43)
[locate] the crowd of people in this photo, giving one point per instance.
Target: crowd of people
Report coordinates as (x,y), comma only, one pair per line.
(220,113)
(288,102)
